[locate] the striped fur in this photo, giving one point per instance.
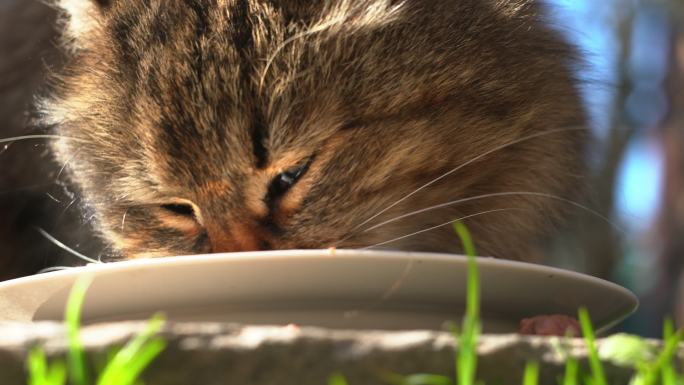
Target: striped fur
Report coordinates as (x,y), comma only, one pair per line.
(179,114)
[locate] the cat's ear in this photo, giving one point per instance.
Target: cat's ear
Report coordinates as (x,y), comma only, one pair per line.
(82,16)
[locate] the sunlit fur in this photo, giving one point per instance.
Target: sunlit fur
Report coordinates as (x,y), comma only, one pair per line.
(202,103)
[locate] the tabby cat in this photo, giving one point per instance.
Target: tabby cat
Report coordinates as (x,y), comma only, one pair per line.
(198,126)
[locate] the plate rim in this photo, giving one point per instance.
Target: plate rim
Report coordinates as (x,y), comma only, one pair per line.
(116,267)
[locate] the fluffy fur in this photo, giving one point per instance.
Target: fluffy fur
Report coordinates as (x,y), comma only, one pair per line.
(180,116)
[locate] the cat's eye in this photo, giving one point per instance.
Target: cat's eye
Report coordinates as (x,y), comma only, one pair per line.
(184,209)
(181,209)
(284,182)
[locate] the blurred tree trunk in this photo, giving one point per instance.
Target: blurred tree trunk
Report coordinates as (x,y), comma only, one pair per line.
(593,245)
(600,237)
(672,216)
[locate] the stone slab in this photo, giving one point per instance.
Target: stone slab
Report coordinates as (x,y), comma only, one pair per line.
(219,354)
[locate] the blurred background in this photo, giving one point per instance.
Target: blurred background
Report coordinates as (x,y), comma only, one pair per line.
(633,82)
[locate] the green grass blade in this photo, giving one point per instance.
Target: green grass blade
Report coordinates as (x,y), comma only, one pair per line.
(466,239)
(467,356)
(671,337)
(531,374)
(466,360)
(456,333)
(473,296)
(666,357)
(571,376)
(669,375)
(41,373)
(597,374)
(129,362)
(77,367)
(129,374)
(662,368)
(37,367)
(473,288)
(648,373)
(337,379)
(57,374)
(668,328)
(148,353)
(640,377)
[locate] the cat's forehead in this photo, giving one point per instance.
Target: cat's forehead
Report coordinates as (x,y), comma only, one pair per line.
(285,61)
(221,77)
(198,60)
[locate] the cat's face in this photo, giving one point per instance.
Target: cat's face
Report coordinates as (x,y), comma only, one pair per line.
(199,126)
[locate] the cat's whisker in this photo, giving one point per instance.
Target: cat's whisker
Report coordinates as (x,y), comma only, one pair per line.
(65,247)
(501,194)
(475,159)
(53,198)
(123,219)
(438,226)
(31,137)
(55,268)
(71,203)
(64,166)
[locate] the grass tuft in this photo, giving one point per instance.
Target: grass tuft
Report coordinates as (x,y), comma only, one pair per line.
(124,365)
(625,347)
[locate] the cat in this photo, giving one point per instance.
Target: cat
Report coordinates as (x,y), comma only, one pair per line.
(201,126)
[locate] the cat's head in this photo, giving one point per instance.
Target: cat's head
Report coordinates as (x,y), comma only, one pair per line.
(195,126)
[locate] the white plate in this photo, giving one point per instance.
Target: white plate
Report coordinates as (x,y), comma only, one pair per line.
(331,288)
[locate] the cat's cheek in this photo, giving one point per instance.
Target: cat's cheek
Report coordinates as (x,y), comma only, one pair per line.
(142,249)
(127,247)
(185,238)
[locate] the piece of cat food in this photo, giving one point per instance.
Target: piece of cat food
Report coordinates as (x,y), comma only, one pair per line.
(550,325)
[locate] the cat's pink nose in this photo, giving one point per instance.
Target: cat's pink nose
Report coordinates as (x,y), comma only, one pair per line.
(237,238)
